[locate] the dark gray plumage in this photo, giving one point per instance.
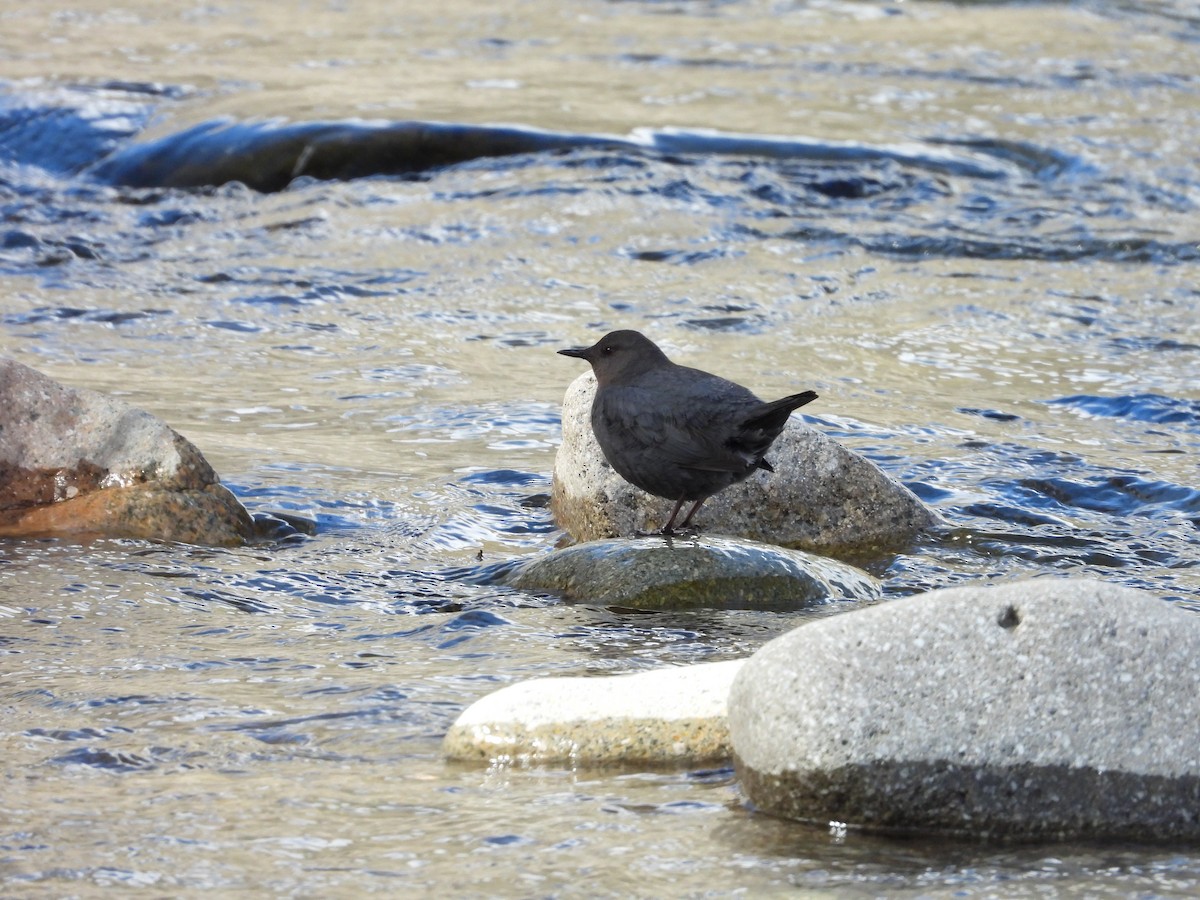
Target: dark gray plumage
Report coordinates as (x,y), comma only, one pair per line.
(674,431)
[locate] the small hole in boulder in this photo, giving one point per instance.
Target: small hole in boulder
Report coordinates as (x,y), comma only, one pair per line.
(1008,618)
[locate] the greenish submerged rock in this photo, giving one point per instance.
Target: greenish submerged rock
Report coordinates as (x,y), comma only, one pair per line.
(658,572)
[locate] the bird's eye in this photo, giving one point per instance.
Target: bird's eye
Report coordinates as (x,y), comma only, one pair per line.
(608,349)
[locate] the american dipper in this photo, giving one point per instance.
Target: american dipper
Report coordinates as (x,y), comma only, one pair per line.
(674,431)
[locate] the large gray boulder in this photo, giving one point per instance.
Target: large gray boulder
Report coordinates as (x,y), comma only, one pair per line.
(821,497)
(658,572)
(75,462)
(1044,708)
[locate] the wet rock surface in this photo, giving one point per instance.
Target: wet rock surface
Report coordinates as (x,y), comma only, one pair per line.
(73,461)
(1038,709)
(821,496)
(657,572)
(665,716)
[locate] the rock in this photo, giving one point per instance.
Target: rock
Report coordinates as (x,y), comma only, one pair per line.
(658,572)
(268,155)
(662,716)
(76,462)
(1045,708)
(821,497)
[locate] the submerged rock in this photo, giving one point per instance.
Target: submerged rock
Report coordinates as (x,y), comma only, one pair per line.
(76,462)
(1046,708)
(664,716)
(820,497)
(657,572)
(269,155)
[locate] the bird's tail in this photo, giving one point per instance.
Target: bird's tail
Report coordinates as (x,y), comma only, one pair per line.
(772,416)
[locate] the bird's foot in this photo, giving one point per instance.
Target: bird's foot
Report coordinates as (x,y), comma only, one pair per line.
(684,531)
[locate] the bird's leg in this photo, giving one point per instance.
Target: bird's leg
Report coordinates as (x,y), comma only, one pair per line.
(692,512)
(666,529)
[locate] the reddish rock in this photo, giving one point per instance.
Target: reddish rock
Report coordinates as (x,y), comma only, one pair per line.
(75,462)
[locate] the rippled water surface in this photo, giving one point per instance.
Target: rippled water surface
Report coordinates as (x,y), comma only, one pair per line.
(1017,341)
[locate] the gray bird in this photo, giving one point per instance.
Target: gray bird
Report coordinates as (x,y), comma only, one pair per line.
(674,431)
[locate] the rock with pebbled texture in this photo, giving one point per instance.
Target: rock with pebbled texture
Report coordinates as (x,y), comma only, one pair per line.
(821,497)
(1048,708)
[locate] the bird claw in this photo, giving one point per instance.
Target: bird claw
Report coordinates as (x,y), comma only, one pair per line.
(683,531)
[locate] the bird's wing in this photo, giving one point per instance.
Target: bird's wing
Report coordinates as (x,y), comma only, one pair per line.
(692,431)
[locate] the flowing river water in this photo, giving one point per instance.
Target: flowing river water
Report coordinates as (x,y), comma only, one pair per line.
(1017,340)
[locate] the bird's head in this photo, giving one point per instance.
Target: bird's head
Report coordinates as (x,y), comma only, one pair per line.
(620,356)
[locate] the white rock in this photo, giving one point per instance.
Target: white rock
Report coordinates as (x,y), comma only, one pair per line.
(664,715)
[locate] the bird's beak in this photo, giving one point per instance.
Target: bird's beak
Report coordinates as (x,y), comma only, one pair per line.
(577,352)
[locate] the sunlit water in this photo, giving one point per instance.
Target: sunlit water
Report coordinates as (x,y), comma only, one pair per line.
(379,356)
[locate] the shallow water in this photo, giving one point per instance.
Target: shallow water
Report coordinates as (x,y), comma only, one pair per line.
(378,355)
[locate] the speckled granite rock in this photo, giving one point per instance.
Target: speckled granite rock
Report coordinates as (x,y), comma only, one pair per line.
(821,497)
(662,716)
(1044,708)
(76,462)
(702,571)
